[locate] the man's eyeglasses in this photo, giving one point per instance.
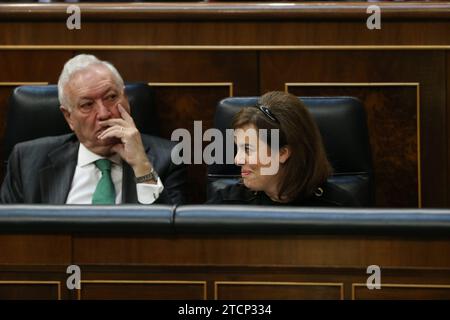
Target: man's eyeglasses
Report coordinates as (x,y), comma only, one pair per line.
(267,112)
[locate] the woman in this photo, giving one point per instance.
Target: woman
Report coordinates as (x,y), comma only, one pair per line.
(299,159)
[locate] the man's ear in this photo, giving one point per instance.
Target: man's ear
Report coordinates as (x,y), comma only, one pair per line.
(67,114)
(285,153)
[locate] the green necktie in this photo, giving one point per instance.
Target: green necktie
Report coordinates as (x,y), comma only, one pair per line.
(104,192)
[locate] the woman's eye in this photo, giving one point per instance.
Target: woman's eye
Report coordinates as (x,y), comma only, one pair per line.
(112,97)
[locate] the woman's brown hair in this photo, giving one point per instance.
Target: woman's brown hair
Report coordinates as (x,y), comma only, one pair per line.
(307,167)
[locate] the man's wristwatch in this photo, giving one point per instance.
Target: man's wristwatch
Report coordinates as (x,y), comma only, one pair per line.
(152,176)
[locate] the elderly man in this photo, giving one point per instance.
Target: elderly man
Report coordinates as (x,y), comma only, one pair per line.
(106,161)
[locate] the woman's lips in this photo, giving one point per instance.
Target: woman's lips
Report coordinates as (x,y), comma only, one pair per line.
(245,173)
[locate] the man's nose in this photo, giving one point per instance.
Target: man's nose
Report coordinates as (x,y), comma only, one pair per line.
(103,111)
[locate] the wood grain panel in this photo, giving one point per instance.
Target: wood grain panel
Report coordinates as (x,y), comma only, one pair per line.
(382,67)
(402,292)
(30,290)
(142,289)
(278,291)
(392,112)
(178,107)
(32,66)
(306,251)
(281,32)
(239,68)
(34,281)
(35,249)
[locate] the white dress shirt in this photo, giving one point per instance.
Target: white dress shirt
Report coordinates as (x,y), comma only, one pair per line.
(87,176)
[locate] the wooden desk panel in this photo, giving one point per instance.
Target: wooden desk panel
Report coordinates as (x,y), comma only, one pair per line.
(294,251)
(227,267)
(35,249)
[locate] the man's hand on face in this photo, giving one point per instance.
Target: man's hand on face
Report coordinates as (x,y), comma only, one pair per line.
(131,148)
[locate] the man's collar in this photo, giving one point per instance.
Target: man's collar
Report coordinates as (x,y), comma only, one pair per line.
(86,157)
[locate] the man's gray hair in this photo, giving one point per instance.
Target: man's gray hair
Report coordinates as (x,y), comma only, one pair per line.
(78,63)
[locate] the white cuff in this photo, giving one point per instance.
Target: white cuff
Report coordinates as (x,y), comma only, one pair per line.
(147,193)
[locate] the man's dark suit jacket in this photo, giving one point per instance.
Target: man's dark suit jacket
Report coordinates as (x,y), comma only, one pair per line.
(41,171)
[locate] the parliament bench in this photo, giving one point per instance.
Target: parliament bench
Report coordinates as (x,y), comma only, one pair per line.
(223,252)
